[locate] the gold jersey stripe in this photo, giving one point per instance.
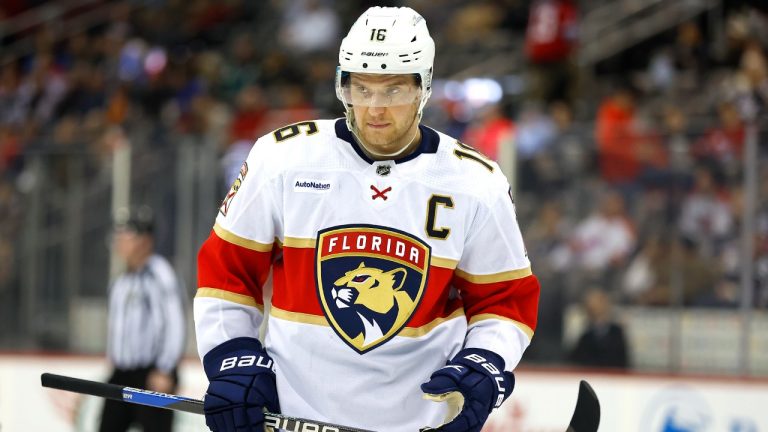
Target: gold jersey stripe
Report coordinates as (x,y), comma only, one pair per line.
(217,293)
(444,262)
(240,241)
(496,277)
(296,242)
(487,316)
(421,331)
(298,317)
(322,321)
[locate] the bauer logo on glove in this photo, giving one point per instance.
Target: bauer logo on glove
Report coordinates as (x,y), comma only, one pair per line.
(473,384)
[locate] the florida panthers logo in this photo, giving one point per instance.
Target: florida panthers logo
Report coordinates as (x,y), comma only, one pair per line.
(224,208)
(370,280)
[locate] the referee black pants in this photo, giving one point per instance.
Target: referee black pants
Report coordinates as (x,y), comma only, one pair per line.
(119,416)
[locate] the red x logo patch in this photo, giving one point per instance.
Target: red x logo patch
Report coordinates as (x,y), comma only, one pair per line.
(380,193)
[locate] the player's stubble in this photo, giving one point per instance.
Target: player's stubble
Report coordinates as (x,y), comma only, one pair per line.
(397,126)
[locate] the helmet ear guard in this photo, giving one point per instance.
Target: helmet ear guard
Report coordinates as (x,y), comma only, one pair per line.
(339,82)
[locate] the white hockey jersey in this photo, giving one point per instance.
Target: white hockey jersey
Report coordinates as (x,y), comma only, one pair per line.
(382,271)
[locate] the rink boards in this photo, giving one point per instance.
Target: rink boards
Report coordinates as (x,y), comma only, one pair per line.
(542,401)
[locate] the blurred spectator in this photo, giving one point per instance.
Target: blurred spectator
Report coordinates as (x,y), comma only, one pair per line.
(118,106)
(573,149)
(604,240)
(534,138)
(239,69)
(546,237)
(565,168)
(706,214)
(491,128)
(616,141)
(291,105)
(85,91)
(752,77)
(550,44)
(642,274)
(10,80)
(250,114)
(603,343)
(661,71)
(761,262)
(691,56)
(741,27)
(41,90)
(212,119)
(723,144)
(11,148)
(681,278)
(761,271)
(677,143)
(726,293)
(630,152)
(10,210)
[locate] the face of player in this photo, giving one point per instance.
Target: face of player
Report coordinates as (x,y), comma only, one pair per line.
(385,108)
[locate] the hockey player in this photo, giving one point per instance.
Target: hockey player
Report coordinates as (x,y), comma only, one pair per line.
(398,266)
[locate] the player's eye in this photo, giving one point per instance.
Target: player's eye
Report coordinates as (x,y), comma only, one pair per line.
(363,91)
(360,278)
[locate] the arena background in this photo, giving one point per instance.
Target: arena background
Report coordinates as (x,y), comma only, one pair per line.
(633,132)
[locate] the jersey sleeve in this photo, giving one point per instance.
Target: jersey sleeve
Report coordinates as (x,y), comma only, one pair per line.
(234,262)
(499,291)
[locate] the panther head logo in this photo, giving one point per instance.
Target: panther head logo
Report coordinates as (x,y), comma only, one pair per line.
(370,280)
(374,294)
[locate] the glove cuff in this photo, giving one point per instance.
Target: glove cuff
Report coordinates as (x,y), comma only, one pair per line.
(233,347)
(481,360)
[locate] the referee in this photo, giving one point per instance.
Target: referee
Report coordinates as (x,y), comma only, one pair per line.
(147,325)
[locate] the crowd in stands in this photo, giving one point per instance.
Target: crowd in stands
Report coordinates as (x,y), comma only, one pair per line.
(632,185)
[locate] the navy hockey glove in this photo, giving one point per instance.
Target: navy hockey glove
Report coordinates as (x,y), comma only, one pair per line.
(473,383)
(242,383)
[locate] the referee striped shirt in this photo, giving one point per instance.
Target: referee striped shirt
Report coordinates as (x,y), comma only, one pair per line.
(147,322)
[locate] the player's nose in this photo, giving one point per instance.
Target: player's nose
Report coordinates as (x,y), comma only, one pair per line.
(376,111)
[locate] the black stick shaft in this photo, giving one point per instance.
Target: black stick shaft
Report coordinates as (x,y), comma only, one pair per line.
(120,393)
(177,403)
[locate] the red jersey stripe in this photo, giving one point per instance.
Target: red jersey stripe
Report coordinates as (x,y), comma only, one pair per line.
(232,268)
(516,299)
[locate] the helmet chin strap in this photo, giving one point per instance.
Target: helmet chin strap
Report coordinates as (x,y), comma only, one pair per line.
(375,154)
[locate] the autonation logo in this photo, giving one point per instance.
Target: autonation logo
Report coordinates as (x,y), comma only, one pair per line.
(303,185)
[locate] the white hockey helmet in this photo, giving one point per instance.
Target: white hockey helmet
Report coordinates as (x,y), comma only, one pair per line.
(387,40)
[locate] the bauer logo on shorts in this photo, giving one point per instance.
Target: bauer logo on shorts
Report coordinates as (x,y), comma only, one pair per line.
(370,280)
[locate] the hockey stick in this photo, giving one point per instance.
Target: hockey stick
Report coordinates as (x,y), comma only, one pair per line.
(177,403)
(586,415)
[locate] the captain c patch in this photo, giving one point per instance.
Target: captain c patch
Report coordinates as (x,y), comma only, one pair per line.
(370,280)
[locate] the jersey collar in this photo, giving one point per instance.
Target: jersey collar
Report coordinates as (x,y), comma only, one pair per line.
(429,142)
